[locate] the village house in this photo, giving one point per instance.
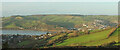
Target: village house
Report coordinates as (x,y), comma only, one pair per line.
(20,28)
(84,25)
(79,29)
(49,34)
(89,29)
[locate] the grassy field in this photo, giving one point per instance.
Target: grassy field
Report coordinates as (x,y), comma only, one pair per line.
(66,21)
(94,39)
(24,43)
(58,36)
(30,43)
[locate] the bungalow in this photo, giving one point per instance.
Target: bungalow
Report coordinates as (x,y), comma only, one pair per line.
(89,29)
(84,25)
(35,38)
(21,28)
(72,28)
(79,28)
(49,34)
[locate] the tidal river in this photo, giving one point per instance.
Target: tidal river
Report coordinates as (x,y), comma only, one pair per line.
(21,32)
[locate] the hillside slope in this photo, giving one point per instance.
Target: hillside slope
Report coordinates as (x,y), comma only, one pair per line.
(94,39)
(67,21)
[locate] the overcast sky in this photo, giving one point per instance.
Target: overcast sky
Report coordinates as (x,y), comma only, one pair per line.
(83,7)
(60,0)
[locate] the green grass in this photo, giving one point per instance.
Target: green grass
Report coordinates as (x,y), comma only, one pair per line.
(58,36)
(116,32)
(24,43)
(66,21)
(11,26)
(117,44)
(85,38)
(100,42)
(113,37)
(70,34)
(95,30)
(28,42)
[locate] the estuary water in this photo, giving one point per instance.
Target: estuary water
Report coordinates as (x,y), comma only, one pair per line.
(21,32)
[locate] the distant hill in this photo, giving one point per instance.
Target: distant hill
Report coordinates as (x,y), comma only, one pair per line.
(66,21)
